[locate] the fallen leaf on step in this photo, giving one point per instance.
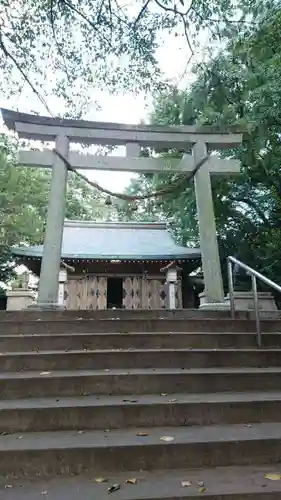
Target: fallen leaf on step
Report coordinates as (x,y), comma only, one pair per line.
(201,484)
(8,486)
(130,400)
(167,438)
(80,432)
(44,492)
(273,476)
(163,394)
(142,433)
(4,433)
(19,437)
(172,400)
(45,373)
(114,487)
(100,480)
(133,480)
(247,425)
(185,484)
(202,489)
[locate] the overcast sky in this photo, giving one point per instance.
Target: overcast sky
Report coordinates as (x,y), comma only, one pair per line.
(128,108)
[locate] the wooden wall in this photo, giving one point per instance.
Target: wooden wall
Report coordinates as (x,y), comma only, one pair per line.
(139,292)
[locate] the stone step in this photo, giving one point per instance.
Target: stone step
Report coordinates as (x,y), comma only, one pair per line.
(34,384)
(76,341)
(151,340)
(72,452)
(220,483)
(31,314)
(150,410)
(136,325)
(139,358)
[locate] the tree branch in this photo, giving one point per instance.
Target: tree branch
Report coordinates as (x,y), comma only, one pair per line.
(52,22)
(174,10)
(182,15)
(141,13)
(187,38)
(86,19)
(24,75)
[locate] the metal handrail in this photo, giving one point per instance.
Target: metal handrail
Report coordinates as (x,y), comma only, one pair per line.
(255,275)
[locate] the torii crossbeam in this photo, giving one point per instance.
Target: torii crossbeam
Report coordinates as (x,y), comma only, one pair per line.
(62,131)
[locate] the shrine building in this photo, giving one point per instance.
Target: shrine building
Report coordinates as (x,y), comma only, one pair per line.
(119,265)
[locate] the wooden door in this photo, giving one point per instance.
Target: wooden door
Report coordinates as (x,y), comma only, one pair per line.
(75,294)
(154,293)
(88,292)
(132,292)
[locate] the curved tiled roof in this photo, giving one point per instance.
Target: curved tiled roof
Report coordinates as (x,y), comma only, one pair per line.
(116,240)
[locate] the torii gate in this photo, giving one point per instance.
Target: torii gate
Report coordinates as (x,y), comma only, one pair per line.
(64,131)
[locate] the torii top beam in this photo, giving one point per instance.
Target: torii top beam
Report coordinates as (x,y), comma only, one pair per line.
(44,128)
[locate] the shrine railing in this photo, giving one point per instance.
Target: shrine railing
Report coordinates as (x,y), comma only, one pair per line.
(255,275)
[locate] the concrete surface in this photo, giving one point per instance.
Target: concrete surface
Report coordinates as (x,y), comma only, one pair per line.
(149,340)
(73,398)
(98,359)
(120,325)
(220,483)
(137,381)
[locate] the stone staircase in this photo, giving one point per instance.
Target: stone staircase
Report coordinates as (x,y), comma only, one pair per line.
(159,402)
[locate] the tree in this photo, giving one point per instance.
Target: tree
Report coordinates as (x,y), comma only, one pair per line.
(69,47)
(241,88)
(24,201)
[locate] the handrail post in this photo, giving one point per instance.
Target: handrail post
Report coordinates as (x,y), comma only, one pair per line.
(255,275)
(256,305)
(231,288)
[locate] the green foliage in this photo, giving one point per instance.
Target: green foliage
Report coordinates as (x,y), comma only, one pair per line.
(68,47)
(24,200)
(241,88)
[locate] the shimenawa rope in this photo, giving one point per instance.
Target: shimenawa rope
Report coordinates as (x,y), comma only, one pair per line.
(154,194)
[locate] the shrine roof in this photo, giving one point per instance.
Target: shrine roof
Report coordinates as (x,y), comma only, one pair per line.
(116,241)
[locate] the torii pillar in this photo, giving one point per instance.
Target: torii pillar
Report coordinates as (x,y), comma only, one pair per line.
(213,295)
(51,260)
(213,292)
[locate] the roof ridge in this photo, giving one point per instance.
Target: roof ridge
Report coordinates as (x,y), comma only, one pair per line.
(116,225)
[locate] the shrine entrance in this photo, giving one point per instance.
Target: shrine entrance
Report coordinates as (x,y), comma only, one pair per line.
(200,165)
(114,293)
